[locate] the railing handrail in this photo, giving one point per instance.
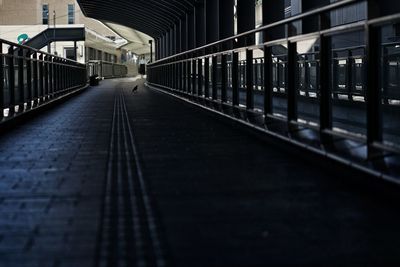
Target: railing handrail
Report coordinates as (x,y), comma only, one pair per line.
(34,50)
(301,16)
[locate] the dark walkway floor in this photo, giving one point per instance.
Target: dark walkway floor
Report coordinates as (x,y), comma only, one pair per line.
(112,178)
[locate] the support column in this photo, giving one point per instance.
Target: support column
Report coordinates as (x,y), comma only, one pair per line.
(199,24)
(157,45)
(246,20)
(177,39)
(163,48)
(273,11)
(183,31)
(190,25)
(168,44)
(211,20)
(311,24)
(226,21)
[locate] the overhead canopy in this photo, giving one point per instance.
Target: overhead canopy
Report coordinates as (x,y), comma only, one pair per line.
(136,41)
(152,17)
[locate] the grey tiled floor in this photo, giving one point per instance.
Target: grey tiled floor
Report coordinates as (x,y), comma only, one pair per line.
(211,194)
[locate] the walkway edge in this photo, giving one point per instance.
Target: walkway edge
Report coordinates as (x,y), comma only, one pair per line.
(332,157)
(16,120)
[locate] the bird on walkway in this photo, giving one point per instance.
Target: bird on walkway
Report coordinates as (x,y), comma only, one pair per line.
(135,89)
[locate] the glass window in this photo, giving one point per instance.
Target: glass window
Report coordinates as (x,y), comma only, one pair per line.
(69,53)
(71,14)
(45,14)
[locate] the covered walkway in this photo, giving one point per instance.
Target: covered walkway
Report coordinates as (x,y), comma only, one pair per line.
(115,178)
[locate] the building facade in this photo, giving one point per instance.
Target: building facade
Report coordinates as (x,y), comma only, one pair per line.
(32,17)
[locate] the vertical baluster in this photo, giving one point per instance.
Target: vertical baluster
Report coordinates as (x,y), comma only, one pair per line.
(11,80)
(249,80)
(224,78)
(374,94)
(325,87)
(35,79)
(214,78)
(268,80)
(194,77)
(21,85)
(46,76)
(235,79)
(29,78)
(200,77)
(206,77)
(1,82)
(41,74)
(292,82)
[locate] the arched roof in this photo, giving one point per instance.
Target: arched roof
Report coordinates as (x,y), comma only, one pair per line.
(152,17)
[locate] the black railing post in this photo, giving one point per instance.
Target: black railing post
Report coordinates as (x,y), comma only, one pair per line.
(214,78)
(56,76)
(224,78)
(35,79)
(194,77)
(207,77)
(268,80)
(180,76)
(41,88)
(29,78)
(51,77)
(46,76)
(249,80)
(200,77)
(325,86)
(175,75)
(188,74)
(11,80)
(235,79)
(1,82)
(292,84)
(374,94)
(21,85)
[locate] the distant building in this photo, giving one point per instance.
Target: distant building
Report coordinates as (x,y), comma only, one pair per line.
(102,42)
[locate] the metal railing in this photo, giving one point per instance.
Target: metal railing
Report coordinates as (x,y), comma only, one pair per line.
(106,70)
(336,90)
(30,78)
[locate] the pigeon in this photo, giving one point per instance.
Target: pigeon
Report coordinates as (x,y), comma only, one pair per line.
(134,89)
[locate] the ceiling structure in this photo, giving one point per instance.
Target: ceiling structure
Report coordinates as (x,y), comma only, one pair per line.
(136,41)
(152,17)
